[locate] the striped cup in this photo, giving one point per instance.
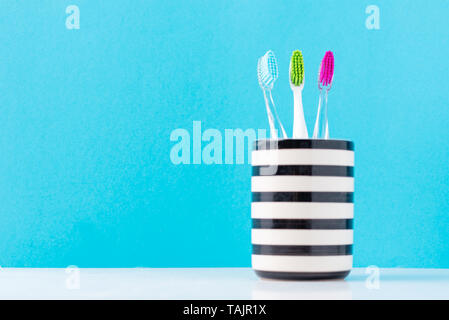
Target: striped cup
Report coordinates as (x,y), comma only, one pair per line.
(302,208)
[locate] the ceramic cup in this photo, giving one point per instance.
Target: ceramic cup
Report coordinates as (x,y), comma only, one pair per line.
(302,208)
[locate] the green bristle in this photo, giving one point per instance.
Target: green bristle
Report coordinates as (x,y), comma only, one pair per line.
(297,71)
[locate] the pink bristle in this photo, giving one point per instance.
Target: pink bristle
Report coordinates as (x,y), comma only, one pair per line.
(327,69)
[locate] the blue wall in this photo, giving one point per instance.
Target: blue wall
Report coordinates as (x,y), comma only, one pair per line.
(86,117)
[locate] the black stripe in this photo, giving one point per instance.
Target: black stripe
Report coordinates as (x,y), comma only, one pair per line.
(303,196)
(320,224)
(302,275)
(304,170)
(303,144)
(275,250)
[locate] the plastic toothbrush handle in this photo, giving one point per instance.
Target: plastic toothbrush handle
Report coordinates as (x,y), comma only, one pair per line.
(273,130)
(321,130)
(277,117)
(299,123)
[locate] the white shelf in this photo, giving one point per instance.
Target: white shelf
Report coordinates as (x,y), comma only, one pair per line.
(215,283)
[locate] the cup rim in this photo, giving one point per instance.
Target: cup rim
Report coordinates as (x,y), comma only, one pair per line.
(308,139)
(275,144)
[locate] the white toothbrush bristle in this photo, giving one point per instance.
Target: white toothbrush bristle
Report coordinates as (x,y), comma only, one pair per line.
(267,70)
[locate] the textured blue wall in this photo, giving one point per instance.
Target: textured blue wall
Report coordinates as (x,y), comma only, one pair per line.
(86,117)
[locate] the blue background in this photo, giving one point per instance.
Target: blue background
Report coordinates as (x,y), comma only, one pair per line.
(86,116)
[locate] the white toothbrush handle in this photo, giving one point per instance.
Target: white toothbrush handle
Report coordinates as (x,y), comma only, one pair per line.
(270,117)
(299,123)
(277,117)
(321,130)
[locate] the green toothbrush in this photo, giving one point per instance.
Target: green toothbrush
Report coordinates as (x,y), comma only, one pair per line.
(297,84)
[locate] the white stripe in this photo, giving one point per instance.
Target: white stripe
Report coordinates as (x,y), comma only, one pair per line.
(308,237)
(303,157)
(301,263)
(301,183)
(301,210)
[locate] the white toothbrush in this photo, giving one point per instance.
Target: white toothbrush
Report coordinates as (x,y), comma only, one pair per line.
(267,73)
(273,130)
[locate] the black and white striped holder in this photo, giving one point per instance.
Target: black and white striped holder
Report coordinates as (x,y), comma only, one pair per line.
(302,208)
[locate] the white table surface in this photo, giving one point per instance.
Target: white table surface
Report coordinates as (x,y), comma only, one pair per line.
(215,283)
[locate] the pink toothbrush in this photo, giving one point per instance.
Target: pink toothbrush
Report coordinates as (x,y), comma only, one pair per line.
(325,76)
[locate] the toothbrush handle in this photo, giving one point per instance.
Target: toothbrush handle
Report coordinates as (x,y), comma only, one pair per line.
(299,123)
(277,116)
(321,130)
(270,117)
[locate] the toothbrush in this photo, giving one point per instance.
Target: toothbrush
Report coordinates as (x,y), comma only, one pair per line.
(269,114)
(325,76)
(297,84)
(267,73)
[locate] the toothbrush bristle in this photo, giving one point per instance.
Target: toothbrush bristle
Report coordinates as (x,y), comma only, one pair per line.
(272,65)
(327,69)
(297,68)
(267,70)
(259,73)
